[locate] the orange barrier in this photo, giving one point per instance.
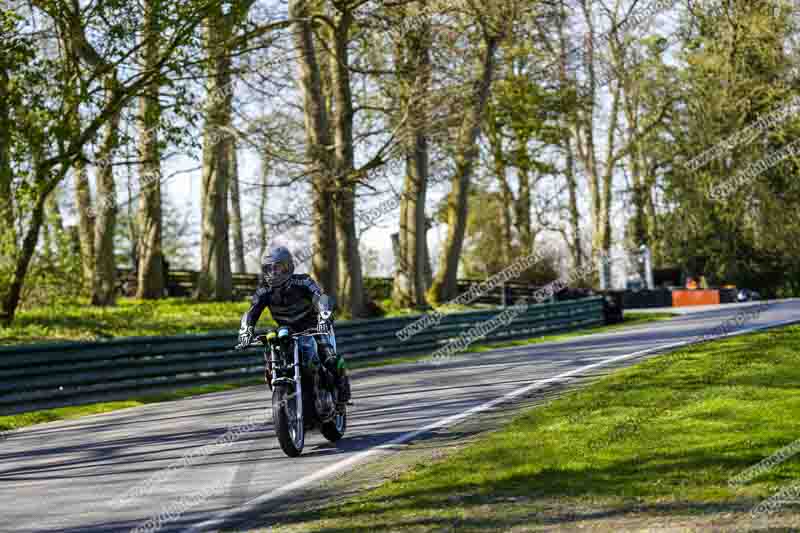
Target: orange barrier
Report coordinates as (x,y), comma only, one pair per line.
(694,297)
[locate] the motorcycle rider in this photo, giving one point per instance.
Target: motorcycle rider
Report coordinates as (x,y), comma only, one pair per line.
(293,301)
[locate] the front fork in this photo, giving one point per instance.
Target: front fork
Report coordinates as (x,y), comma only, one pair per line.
(298,387)
(283,381)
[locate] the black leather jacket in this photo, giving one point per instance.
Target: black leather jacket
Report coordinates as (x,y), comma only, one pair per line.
(292,304)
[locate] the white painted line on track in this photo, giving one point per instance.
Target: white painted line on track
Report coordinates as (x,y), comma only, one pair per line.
(448,421)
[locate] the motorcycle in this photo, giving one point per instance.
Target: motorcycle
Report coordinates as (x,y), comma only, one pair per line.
(304,394)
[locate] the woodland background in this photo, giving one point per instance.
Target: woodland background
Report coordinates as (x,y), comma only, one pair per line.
(509,127)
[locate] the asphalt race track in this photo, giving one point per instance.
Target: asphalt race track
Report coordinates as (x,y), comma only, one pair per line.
(70,476)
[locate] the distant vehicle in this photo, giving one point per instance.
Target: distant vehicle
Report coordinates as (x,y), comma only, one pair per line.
(634,284)
(746,295)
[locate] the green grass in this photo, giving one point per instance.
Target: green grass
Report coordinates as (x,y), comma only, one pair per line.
(668,431)
(12,422)
(390,310)
(129,318)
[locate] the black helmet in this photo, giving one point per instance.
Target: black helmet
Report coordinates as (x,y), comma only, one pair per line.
(277,266)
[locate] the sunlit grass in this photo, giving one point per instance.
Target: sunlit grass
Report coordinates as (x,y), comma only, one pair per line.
(129,318)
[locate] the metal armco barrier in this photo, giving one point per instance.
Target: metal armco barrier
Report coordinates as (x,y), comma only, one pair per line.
(61,374)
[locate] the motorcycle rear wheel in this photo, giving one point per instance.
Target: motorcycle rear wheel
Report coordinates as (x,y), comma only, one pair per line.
(334,429)
(290,431)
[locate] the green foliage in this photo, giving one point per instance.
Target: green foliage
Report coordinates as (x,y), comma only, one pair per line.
(737,72)
(482,255)
(54,275)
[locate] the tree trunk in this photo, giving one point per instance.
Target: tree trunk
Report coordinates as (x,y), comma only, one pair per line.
(412,280)
(8,244)
(651,219)
(501,173)
(334,274)
(104,286)
(402,288)
(522,209)
(574,213)
(83,200)
(584,124)
(263,233)
(53,226)
(325,246)
(236,213)
(569,113)
(318,144)
(445,285)
(352,292)
(631,108)
(150,256)
(640,233)
(11,297)
(6,176)
(608,175)
(419,236)
(428,266)
(215,280)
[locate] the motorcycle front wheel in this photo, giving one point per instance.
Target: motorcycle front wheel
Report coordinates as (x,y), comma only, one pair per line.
(288,426)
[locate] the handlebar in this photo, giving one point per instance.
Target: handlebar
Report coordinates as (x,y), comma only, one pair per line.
(258,342)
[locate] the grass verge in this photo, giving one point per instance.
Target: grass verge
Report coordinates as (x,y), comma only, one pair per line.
(663,437)
(80,321)
(390,310)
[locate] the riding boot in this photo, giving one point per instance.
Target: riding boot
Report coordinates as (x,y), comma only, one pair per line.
(336,366)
